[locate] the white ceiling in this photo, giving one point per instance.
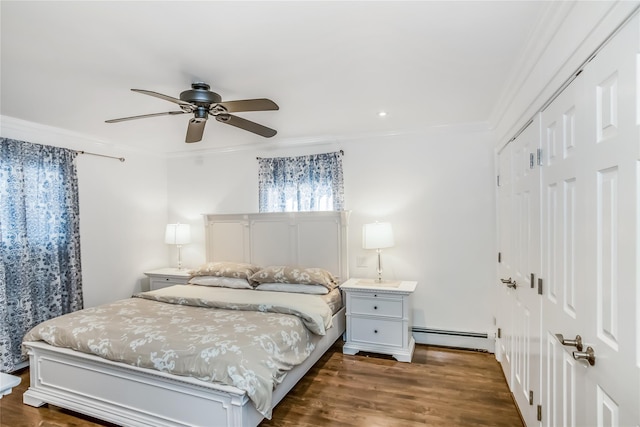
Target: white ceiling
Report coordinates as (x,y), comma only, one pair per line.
(331,66)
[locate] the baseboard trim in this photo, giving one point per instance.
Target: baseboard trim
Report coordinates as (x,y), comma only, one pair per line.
(459,339)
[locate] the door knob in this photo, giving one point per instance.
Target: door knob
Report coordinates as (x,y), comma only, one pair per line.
(576,342)
(510,283)
(589,355)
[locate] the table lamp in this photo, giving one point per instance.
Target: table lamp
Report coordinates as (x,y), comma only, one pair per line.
(377,236)
(178,234)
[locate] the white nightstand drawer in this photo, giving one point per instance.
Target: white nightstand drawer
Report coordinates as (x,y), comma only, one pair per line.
(163,282)
(374,305)
(164,277)
(376,331)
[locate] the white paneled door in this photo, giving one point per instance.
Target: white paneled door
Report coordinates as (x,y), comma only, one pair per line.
(519,303)
(589,197)
(526,249)
(503,295)
(565,306)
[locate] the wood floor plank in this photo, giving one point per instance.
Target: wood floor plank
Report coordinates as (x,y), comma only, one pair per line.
(442,387)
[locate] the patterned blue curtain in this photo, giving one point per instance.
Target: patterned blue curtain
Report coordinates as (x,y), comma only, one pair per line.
(40,274)
(304,183)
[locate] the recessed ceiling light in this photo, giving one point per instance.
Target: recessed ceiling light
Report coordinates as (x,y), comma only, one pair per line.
(382,113)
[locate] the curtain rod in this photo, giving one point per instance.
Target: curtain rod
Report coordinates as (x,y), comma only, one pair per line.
(100,155)
(339,151)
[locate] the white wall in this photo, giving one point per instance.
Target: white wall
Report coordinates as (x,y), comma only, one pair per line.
(436,189)
(123,211)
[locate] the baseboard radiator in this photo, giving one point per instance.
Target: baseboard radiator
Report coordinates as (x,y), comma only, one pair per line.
(461,339)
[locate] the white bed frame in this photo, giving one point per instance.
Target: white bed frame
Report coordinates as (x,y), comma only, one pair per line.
(131,396)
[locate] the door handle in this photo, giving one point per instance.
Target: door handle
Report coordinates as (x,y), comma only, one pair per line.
(589,355)
(510,283)
(576,342)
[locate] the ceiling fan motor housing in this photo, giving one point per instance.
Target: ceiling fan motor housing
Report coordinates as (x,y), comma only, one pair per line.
(200,95)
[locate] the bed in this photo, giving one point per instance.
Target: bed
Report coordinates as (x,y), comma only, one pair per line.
(140,396)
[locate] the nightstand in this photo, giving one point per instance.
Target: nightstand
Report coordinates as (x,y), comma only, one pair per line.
(7,383)
(379,317)
(164,277)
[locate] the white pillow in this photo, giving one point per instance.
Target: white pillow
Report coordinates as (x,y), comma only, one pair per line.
(222,282)
(293,287)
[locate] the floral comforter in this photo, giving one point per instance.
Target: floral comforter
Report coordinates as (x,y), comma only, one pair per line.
(245,338)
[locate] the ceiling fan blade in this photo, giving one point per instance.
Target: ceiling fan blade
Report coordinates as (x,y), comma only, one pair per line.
(161,96)
(168,113)
(195,130)
(261,104)
(246,125)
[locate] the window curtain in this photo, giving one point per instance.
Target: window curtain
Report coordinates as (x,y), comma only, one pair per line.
(40,274)
(304,183)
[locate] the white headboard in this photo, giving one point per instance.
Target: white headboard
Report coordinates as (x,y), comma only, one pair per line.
(304,239)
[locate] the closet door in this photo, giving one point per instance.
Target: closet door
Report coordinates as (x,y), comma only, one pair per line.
(526,267)
(612,135)
(565,305)
(518,311)
(504,294)
(590,238)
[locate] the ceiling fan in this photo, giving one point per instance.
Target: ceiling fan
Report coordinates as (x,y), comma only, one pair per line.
(203,103)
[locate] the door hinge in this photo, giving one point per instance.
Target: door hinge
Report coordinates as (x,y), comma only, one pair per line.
(539,155)
(530,397)
(499,333)
(499,257)
(539,286)
(539,412)
(532,281)
(498,180)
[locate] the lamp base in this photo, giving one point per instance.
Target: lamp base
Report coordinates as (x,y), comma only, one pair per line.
(179,257)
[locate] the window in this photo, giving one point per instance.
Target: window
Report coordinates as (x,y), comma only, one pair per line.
(304,183)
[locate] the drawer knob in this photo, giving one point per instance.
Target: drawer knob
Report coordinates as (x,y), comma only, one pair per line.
(375,307)
(375,331)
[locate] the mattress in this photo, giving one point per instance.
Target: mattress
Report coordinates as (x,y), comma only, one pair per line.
(246,338)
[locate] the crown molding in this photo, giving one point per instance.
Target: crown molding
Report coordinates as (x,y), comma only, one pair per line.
(11,127)
(539,41)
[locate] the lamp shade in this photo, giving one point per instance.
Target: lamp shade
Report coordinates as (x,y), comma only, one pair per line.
(377,235)
(177,234)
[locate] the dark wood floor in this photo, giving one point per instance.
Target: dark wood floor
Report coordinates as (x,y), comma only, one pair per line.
(442,387)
